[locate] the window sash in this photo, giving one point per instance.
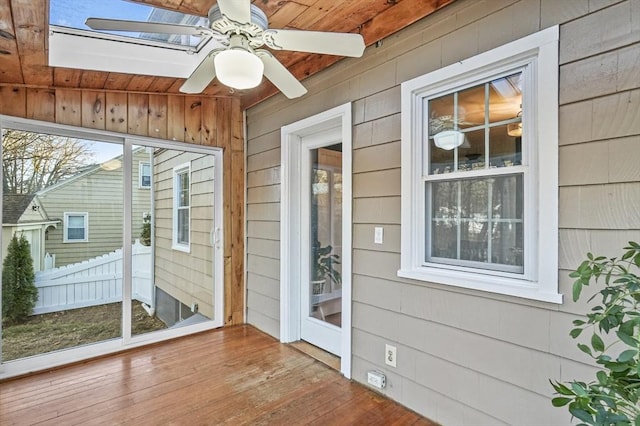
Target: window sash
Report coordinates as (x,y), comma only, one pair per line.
(537,55)
(476,229)
(181,208)
(75,227)
(145,175)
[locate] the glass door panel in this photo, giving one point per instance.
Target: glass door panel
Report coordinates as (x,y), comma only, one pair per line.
(325,291)
(174,234)
(61,242)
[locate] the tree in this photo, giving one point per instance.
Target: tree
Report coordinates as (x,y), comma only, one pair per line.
(612,399)
(32,161)
(19,293)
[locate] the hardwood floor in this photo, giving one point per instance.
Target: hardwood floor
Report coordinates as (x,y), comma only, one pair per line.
(236,376)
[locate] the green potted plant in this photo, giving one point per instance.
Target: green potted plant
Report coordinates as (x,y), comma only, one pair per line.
(322,267)
(614,325)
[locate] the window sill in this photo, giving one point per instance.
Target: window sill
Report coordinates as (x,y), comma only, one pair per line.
(483,282)
(184,249)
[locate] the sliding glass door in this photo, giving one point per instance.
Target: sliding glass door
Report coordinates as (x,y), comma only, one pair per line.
(106,242)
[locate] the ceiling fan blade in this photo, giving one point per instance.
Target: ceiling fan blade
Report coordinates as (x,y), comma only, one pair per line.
(280,76)
(342,44)
(143,27)
(202,75)
(236,10)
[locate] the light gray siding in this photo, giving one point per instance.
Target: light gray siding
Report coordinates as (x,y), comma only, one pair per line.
(186,276)
(99,193)
(464,356)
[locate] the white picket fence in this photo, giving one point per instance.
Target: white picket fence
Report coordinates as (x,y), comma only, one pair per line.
(94,282)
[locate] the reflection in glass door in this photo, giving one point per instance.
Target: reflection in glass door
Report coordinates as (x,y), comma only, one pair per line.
(110,240)
(321,250)
(174,232)
(325,302)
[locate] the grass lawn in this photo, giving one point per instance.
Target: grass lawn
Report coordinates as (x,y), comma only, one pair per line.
(66,329)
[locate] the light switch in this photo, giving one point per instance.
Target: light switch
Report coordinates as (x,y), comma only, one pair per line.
(378,235)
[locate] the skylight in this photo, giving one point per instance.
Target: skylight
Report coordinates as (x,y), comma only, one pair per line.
(73,14)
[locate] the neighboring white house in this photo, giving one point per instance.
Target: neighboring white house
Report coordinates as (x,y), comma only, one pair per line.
(89,208)
(23,214)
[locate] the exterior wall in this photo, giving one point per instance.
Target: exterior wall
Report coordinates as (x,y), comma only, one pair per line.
(465,356)
(188,277)
(32,224)
(100,194)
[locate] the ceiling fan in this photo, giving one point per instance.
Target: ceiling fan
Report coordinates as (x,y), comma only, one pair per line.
(242,28)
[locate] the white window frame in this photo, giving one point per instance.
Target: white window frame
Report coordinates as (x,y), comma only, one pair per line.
(178,170)
(141,165)
(90,50)
(537,56)
(65,237)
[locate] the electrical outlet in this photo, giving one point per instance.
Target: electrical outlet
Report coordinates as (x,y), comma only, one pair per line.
(390,355)
(376,379)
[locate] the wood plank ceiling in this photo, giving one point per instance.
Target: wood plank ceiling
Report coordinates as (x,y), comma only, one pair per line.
(24,29)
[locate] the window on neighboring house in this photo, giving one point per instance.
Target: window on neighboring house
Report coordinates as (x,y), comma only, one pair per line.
(479,171)
(145,175)
(181,207)
(76,227)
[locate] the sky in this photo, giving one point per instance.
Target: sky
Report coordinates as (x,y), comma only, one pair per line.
(103,151)
(73,13)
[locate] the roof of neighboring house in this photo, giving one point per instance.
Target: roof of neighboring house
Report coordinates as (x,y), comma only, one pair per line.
(90,169)
(14,205)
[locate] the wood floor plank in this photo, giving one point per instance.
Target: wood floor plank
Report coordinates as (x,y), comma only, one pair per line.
(236,375)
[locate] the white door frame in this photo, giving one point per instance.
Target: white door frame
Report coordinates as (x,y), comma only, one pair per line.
(290,228)
(81,353)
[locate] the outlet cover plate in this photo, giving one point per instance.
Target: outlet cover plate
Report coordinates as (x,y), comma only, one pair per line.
(390,355)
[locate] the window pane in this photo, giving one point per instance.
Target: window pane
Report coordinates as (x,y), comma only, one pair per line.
(75,234)
(183,226)
(471,109)
(471,152)
(504,150)
(76,221)
(505,98)
(508,197)
(145,175)
(478,220)
(445,222)
(183,189)
(441,160)
(73,14)
(441,116)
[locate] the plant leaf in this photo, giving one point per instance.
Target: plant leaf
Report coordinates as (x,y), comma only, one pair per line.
(627,355)
(575,332)
(597,343)
(577,289)
(560,401)
(581,414)
(584,348)
(578,389)
(627,339)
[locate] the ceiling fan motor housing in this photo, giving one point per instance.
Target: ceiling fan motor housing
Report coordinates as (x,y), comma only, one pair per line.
(252,30)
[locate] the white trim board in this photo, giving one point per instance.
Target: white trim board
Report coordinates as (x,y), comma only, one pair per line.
(290,262)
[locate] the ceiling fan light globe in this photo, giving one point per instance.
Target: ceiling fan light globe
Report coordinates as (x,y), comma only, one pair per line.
(448,139)
(238,69)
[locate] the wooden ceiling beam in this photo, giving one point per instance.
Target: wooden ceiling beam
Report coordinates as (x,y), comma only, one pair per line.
(402,14)
(10,68)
